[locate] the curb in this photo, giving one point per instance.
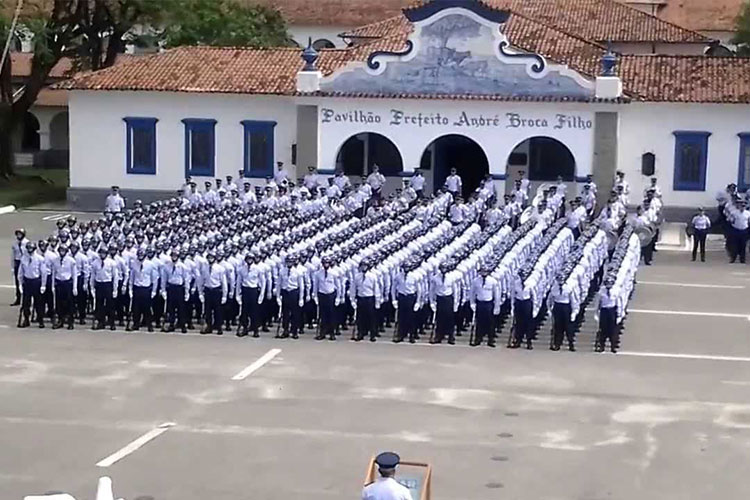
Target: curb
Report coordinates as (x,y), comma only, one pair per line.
(7,209)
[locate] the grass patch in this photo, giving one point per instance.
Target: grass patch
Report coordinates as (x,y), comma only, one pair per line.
(31,186)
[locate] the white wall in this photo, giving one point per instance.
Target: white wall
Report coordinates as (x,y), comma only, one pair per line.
(497,139)
(98,134)
(649,127)
(302,33)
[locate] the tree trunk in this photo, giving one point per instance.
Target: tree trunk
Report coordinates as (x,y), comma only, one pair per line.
(6,141)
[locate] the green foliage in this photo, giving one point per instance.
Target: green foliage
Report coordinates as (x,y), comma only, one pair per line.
(742,27)
(222,23)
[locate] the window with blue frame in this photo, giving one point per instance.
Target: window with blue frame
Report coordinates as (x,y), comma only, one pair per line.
(200,147)
(259,148)
(743,177)
(690,160)
(140,145)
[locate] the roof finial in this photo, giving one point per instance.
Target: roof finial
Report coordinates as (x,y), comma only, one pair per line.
(609,61)
(309,55)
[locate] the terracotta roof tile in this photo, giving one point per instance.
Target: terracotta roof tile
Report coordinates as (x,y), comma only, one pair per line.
(697,79)
(702,15)
(273,71)
(335,12)
(208,69)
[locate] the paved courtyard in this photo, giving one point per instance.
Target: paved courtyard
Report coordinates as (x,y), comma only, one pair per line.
(666,418)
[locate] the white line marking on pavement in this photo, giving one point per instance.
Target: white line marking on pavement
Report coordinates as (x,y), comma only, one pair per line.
(689,313)
(7,286)
(56,217)
(708,357)
(257,364)
(736,382)
(690,285)
(130,448)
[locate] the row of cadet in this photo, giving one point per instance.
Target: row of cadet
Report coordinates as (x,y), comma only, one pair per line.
(398,262)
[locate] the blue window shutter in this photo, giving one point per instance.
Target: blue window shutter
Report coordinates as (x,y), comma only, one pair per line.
(258,134)
(206,166)
(140,145)
(743,174)
(690,160)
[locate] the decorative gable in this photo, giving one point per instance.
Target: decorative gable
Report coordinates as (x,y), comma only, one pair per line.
(458,50)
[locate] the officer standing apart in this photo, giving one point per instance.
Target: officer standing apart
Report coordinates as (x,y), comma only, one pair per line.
(453,183)
(33,272)
(114,202)
(740,221)
(701,224)
(16,252)
(386,487)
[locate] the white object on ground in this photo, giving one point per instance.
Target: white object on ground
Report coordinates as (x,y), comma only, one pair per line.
(7,209)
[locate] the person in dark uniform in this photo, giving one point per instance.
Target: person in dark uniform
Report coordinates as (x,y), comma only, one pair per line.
(485,304)
(144,280)
(175,282)
(248,294)
(701,223)
(65,278)
(363,297)
(442,293)
(105,283)
(405,285)
(324,284)
(523,311)
(608,328)
(216,290)
(17,251)
(559,304)
(33,272)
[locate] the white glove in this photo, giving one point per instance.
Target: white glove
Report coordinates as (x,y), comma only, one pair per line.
(223,300)
(202,298)
(164,295)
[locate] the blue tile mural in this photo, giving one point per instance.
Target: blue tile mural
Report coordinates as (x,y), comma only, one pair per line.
(456,55)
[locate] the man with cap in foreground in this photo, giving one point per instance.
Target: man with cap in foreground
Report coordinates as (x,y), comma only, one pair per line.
(386,487)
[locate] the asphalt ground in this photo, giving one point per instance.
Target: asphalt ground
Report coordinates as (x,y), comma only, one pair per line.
(666,418)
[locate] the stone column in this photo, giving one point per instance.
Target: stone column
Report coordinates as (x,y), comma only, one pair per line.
(606,130)
(308,140)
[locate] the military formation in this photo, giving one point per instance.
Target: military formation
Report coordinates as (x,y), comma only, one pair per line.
(326,258)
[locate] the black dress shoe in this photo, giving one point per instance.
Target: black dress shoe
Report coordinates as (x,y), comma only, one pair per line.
(219,332)
(373,339)
(529,346)
(491,344)
(41,324)
(255,335)
(572,348)
(16,303)
(112,327)
(599,349)
(57,326)
(183,330)
(70,326)
(451,341)
(150,329)
(554,348)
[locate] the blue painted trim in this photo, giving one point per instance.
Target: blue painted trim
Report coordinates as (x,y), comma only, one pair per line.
(144,123)
(203,125)
(581,179)
(327,171)
(258,127)
(700,139)
(373,64)
(744,143)
(430,9)
(499,177)
(406,174)
(537,67)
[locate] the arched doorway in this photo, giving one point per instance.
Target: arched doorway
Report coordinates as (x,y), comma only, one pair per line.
(457,151)
(360,152)
(543,159)
(30,136)
(58,132)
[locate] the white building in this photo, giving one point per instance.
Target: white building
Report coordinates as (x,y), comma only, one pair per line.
(449,84)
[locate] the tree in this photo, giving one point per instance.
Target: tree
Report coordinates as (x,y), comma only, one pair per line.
(742,27)
(222,23)
(93,32)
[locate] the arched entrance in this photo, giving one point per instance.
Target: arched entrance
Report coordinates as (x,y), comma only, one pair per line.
(30,137)
(457,151)
(58,132)
(543,159)
(361,151)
